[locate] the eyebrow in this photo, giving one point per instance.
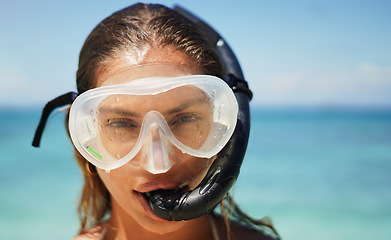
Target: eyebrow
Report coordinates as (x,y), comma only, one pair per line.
(184,106)
(119,112)
(127,113)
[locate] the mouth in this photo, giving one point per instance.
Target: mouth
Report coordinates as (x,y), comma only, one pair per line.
(145,198)
(148,194)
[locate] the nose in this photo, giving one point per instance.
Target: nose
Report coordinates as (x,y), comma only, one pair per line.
(156,151)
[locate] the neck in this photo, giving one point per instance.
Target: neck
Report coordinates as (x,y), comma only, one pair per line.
(123,226)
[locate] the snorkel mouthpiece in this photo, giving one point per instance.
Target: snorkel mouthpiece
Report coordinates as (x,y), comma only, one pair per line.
(171,205)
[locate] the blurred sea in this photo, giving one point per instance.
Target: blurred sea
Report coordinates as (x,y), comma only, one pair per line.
(319,174)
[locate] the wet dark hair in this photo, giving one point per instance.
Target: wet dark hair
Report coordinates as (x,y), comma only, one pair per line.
(140,26)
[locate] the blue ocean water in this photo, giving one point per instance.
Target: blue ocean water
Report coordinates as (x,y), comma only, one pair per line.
(319,174)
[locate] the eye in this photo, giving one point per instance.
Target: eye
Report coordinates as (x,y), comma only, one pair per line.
(184,118)
(121,123)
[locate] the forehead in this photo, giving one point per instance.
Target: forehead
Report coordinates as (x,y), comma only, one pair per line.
(147,71)
(155,62)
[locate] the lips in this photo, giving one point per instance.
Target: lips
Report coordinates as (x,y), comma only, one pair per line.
(145,205)
(160,185)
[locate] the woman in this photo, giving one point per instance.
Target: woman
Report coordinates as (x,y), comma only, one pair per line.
(148,137)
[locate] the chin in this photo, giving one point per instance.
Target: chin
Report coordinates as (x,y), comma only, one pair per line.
(163,228)
(145,219)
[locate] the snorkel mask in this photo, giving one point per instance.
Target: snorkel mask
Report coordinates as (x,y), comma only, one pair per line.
(154,117)
(217,124)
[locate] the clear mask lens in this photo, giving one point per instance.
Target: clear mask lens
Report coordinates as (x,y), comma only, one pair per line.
(111,125)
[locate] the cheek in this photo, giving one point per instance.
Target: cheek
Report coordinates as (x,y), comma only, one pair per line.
(194,169)
(117,183)
(202,167)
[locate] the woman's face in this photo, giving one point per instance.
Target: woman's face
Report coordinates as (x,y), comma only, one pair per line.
(127,183)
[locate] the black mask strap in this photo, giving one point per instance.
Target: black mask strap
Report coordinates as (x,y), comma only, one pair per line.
(60,101)
(238,85)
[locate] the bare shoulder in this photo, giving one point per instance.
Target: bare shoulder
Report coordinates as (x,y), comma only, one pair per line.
(244,231)
(92,234)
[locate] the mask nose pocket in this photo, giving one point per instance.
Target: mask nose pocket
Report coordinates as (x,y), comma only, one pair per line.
(157,148)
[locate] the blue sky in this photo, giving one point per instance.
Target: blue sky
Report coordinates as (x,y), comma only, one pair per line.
(293,53)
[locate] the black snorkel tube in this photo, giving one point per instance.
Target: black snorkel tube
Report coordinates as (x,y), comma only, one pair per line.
(170,205)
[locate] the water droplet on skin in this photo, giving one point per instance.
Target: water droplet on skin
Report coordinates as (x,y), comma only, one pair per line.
(117,99)
(108,171)
(118,156)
